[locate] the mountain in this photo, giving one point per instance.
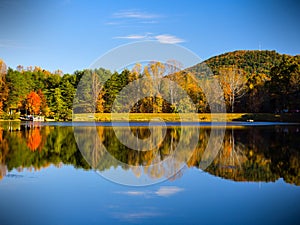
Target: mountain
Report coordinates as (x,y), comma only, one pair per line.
(270,81)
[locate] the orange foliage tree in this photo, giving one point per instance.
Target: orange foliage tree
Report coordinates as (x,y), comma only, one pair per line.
(3,84)
(33,103)
(43,106)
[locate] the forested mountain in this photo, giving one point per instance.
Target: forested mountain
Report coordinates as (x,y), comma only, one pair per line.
(252,62)
(251,81)
(270,81)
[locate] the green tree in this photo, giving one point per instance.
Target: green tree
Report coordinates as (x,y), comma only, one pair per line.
(18,87)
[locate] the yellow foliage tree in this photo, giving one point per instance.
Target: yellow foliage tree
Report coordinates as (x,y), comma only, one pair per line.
(233,81)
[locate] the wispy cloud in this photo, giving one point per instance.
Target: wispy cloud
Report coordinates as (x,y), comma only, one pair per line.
(132,36)
(168,39)
(135,14)
(133,18)
(133,193)
(149,22)
(163,38)
(145,194)
(4,43)
(137,18)
(167,191)
(113,23)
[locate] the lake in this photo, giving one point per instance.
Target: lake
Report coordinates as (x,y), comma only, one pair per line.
(87,173)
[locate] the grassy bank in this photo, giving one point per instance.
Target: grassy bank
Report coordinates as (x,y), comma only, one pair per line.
(201,117)
(172,117)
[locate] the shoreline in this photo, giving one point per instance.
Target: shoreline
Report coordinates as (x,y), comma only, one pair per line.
(173,117)
(200,117)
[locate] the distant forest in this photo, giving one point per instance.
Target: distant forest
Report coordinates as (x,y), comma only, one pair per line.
(252,81)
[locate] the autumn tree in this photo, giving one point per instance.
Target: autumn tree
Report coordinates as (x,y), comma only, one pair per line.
(154,72)
(146,104)
(44,106)
(256,95)
(157,71)
(172,67)
(3,69)
(3,84)
(135,74)
(95,89)
(284,84)
(33,103)
(233,81)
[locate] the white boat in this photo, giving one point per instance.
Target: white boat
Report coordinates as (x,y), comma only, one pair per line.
(32,118)
(39,118)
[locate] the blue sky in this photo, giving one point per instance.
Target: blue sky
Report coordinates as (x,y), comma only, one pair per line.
(71,34)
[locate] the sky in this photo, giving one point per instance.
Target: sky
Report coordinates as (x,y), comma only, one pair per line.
(70,34)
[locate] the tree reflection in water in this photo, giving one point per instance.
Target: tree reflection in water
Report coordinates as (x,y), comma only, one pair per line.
(248,154)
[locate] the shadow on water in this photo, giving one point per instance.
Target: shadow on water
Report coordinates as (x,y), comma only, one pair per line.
(252,153)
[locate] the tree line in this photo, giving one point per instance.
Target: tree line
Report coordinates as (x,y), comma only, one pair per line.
(251,81)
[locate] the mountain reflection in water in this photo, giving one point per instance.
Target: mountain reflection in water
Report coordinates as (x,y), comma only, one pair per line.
(247,154)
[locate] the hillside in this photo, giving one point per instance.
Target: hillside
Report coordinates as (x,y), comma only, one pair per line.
(251,61)
(271,80)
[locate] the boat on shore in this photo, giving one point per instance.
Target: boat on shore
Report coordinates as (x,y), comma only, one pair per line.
(32,118)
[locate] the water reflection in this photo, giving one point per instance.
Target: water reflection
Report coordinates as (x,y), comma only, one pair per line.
(249,154)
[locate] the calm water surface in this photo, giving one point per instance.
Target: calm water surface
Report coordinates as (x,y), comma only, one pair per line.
(45,179)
